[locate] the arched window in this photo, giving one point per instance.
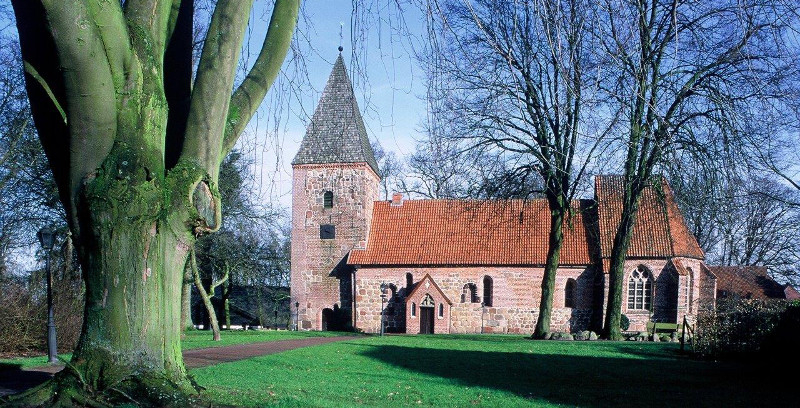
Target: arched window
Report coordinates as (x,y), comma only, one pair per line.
(569,293)
(441,310)
(488,291)
(327,199)
(469,293)
(640,289)
(413,309)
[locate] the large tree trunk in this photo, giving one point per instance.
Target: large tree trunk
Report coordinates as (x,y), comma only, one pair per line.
(555,240)
(135,151)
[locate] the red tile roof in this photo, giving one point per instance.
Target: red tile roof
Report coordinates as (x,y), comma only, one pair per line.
(659,230)
(515,232)
(747,282)
(471,232)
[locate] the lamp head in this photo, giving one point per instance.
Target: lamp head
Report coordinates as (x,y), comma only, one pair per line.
(47,237)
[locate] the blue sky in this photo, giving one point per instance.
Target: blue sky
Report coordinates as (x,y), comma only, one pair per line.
(389,86)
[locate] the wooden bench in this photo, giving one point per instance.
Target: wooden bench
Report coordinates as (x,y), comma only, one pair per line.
(653,327)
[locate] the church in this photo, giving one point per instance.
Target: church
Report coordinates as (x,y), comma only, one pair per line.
(467,266)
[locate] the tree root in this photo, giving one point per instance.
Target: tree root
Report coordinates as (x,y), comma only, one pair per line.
(68,389)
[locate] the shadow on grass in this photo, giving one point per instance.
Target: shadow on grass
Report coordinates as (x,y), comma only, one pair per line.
(649,375)
(13,379)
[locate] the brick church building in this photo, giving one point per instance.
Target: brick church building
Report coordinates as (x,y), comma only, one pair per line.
(467,266)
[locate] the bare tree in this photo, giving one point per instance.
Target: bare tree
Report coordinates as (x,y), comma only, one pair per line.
(680,66)
(512,80)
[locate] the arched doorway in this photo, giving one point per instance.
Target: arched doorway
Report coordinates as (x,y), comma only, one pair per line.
(426,311)
(327,319)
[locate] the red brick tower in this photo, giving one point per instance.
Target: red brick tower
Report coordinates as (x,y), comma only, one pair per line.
(335,182)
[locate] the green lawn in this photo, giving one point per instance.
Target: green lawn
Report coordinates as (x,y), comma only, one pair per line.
(201,338)
(491,371)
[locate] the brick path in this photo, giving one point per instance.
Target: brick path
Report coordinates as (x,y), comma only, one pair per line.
(14,380)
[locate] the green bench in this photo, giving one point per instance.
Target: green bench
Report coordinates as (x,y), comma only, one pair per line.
(653,327)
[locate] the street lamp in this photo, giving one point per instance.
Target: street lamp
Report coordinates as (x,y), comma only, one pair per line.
(384,290)
(47,238)
(296,316)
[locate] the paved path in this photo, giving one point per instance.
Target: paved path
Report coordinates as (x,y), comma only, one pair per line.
(14,380)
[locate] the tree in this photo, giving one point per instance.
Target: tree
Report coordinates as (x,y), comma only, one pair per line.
(135,148)
(515,78)
(240,251)
(681,66)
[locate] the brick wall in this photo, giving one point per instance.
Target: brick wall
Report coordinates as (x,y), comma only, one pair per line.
(671,292)
(516,294)
(320,277)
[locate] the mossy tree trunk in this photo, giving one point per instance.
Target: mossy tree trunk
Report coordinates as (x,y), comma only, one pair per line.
(135,148)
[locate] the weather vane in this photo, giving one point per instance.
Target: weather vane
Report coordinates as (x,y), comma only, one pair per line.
(341,29)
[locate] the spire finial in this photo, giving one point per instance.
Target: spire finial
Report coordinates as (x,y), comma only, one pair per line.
(341,30)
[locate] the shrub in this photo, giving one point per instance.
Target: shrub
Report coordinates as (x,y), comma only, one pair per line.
(23,312)
(624,322)
(748,326)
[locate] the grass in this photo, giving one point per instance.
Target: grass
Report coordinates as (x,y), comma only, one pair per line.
(464,370)
(494,371)
(201,338)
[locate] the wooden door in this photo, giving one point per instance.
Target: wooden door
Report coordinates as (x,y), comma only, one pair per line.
(426,320)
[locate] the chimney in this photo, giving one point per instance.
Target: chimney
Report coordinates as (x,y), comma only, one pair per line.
(397,199)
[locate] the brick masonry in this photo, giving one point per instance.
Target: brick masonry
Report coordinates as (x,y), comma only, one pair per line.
(319,275)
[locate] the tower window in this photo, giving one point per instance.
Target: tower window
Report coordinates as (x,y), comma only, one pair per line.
(327,199)
(327,231)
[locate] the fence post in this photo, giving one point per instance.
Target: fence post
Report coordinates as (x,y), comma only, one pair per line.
(683,335)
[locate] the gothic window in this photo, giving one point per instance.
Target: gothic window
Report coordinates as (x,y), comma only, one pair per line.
(488,291)
(413,309)
(441,310)
(469,294)
(640,289)
(327,231)
(569,293)
(327,199)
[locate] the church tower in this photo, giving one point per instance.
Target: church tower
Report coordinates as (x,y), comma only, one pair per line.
(334,185)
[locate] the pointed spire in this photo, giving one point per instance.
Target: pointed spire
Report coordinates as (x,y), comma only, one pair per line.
(336,133)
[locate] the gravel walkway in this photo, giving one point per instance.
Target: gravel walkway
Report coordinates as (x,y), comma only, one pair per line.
(14,380)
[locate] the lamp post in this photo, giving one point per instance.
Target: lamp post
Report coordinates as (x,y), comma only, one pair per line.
(296,316)
(47,238)
(384,289)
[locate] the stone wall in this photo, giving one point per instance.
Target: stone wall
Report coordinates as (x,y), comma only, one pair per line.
(320,278)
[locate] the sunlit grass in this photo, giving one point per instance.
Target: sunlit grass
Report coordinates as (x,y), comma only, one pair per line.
(493,371)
